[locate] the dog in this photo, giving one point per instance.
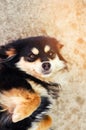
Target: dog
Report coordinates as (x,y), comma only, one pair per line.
(25,94)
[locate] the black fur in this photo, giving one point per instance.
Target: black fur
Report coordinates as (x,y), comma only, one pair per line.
(10,77)
(23,46)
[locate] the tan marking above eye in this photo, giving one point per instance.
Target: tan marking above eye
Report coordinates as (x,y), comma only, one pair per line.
(35,51)
(47,48)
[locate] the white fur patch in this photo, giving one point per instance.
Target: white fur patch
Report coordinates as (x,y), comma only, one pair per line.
(35,68)
(47,48)
(35,51)
(38,88)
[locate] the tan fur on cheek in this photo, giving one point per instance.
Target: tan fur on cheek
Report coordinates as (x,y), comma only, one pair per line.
(20,103)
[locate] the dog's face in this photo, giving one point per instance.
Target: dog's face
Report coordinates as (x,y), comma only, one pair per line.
(38,56)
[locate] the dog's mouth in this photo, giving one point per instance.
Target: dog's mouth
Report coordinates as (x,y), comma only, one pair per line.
(46,72)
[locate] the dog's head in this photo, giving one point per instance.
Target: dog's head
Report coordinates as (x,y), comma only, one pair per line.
(39,56)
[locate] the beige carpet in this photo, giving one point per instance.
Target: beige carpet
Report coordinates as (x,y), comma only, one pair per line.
(65,20)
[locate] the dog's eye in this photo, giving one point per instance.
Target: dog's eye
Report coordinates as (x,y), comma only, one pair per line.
(51,54)
(31,57)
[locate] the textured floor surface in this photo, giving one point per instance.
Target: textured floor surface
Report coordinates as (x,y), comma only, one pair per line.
(65,20)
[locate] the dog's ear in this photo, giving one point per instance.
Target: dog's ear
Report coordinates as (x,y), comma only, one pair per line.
(58,47)
(7,53)
(57,44)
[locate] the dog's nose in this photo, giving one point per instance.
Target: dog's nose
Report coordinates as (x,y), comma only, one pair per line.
(46,66)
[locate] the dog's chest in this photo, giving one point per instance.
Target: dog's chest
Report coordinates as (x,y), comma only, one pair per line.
(38,88)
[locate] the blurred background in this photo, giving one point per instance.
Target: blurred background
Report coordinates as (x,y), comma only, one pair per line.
(66,21)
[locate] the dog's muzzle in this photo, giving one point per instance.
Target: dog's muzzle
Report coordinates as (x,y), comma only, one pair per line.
(46,67)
